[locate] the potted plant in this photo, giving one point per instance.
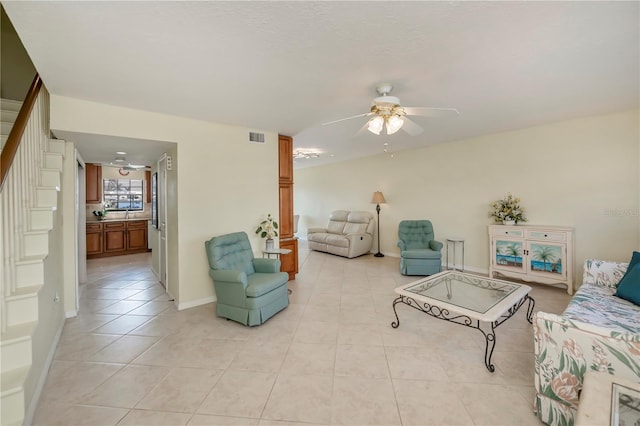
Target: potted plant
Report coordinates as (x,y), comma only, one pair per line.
(268,229)
(508,211)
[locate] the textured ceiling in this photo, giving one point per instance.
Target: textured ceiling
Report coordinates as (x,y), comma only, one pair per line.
(290,66)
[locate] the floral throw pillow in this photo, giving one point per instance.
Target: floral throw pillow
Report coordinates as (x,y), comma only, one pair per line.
(603,273)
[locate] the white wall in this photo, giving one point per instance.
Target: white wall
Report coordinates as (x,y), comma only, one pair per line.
(582,173)
(220,182)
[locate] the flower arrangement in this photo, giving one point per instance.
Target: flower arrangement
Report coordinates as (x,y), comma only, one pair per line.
(507,210)
(268,228)
(101,214)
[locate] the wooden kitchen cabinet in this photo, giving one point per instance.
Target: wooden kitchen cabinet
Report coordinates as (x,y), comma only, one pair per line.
(94,239)
(147,182)
(137,235)
(285,182)
(93,179)
(115,238)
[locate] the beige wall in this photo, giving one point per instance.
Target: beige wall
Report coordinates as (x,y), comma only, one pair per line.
(582,173)
(220,182)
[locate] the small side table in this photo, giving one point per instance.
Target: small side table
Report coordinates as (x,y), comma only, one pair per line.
(454,241)
(275,251)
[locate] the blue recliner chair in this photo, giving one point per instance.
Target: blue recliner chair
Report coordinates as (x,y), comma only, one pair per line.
(249,290)
(420,253)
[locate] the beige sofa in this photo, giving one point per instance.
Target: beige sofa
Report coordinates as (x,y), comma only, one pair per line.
(349,234)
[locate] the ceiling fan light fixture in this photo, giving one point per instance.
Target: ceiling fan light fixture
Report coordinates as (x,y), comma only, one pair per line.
(394,123)
(375,125)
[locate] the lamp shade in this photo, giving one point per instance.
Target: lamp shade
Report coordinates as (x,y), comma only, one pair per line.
(375,125)
(394,123)
(378,198)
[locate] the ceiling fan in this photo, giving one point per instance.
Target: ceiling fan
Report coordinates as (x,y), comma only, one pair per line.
(121,162)
(387,112)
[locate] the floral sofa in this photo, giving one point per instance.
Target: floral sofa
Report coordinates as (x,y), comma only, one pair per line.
(598,331)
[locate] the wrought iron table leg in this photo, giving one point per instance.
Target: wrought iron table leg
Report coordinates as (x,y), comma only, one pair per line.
(396,323)
(532,304)
(490,339)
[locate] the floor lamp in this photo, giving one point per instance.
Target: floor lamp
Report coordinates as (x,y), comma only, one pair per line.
(378,199)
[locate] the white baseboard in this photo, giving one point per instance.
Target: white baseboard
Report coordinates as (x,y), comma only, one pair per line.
(197,302)
(31,410)
(71,314)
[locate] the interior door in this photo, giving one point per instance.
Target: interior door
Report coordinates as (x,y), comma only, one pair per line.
(162,220)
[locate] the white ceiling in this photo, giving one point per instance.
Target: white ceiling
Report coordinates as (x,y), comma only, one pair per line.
(290,66)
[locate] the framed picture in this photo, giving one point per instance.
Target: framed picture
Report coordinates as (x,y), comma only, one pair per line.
(154,200)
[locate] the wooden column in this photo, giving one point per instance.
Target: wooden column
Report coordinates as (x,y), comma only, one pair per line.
(287,239)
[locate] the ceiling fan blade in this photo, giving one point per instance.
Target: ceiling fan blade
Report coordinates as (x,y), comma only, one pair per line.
(410,127)
(362,131)
(348,118)
(431,112)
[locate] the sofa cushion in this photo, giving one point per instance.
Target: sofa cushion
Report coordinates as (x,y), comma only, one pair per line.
(603,273)
(635,259)
(335,227)
(318,237)
(259,284)
(421,254)
(337,240)
(339,215)
(629,286)
(354,228)
(596,305)
(359,217)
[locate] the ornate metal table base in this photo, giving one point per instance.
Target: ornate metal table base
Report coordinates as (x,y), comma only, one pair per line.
(444,314)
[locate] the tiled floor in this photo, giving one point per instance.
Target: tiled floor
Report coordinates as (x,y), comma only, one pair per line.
(330,358)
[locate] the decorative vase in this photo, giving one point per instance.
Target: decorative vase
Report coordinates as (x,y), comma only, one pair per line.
(508,222)
(269,244)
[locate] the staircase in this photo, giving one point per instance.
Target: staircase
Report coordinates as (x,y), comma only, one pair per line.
(28,204)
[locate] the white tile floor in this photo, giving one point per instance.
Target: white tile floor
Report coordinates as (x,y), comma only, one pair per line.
(330,358)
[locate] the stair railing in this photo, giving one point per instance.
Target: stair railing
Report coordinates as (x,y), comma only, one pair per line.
(22,157)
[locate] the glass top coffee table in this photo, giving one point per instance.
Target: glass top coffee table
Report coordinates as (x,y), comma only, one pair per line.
(478,302)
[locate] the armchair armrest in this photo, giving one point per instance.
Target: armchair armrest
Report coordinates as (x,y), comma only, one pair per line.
(229,276)
(564,349)
(435,245)
(266,265)
(401,244)
(316,230)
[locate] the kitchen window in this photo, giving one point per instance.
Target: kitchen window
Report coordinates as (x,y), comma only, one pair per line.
(123,194)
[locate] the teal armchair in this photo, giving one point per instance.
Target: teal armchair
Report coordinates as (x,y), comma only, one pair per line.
(420,253)
(249,290)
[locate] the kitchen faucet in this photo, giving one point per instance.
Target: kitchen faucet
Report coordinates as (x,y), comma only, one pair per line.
(126,215)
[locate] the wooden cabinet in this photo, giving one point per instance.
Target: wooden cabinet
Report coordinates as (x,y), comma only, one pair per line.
(147,181)
(114,238)
(93,182)
(541,254)
(285,180)
(137,235)
(94,239)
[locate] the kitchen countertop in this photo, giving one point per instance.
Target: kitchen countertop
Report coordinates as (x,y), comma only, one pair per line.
(93,219)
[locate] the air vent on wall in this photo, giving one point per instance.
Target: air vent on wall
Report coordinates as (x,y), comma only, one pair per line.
(256,137)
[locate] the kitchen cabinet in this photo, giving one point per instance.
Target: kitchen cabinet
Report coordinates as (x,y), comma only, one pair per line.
(93,183)
(147,181)
(114,238)
(285,181)
(542,254)
(94,239)
(137,235)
